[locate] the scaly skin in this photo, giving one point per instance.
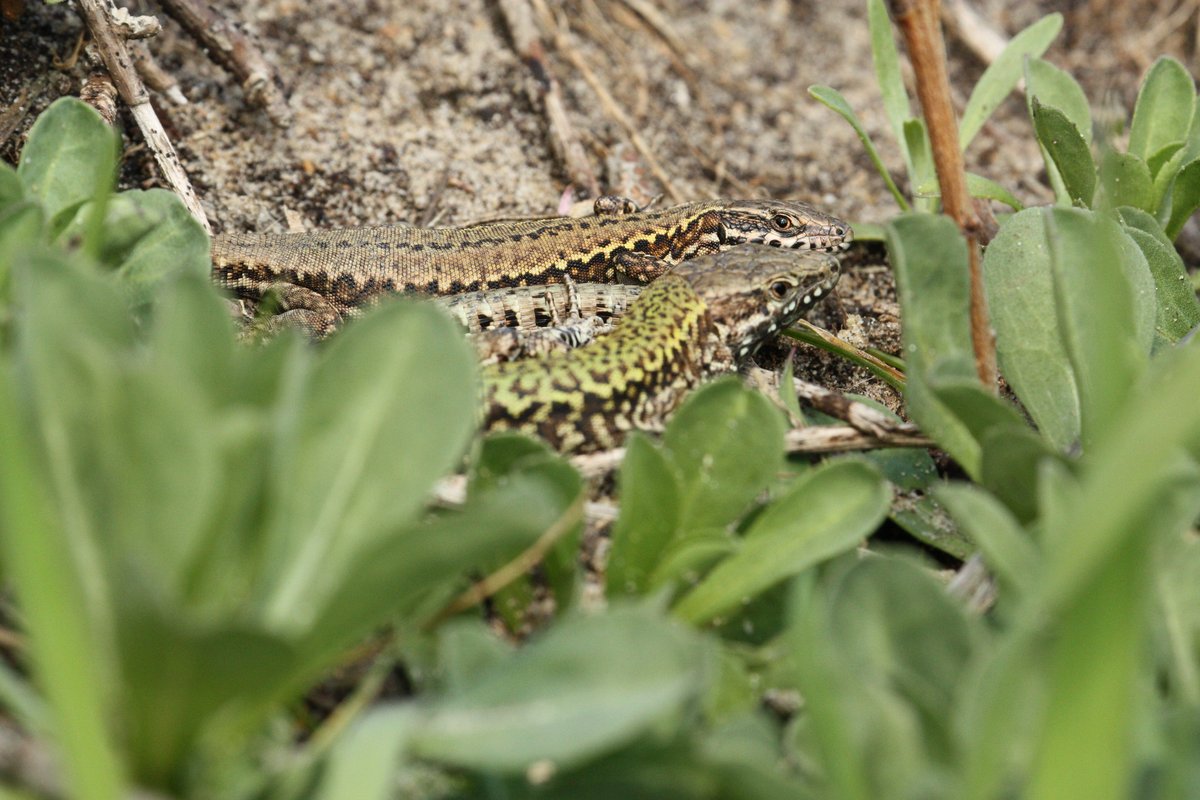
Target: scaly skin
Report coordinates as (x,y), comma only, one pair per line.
(702,319)
(328,275)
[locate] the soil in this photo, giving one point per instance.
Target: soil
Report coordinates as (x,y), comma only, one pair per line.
(421,112)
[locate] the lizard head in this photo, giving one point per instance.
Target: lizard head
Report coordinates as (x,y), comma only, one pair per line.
(781,223)
(753,292)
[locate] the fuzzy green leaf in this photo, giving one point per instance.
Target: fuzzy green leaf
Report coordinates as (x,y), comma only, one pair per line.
(1163,112)
(1002,75)
(1068,150)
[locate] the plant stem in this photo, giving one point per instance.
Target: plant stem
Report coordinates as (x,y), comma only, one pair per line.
(918,21)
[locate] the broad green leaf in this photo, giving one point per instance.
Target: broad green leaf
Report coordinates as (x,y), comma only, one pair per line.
(825,512)
(22,227)
(923,518)
(57,619)
(1171,154)
(1163,112)
(1010,451)
(1177,308)
(11,189)
(466,650)
(1068,150)
(726,444)
(588,685)
(1125,181)
(502,456)
(1099,314)
(690,556)
(70,157)
(1012,457)
(1056,88)
(363,763)
(339,476)
(833,99)
(1029,342)
(929,257)
(1006,547)
(1178,614)
(1003,74)
(399,572)
(149,236)
(649,517)
(887,73)
(1185,197)
(905,635)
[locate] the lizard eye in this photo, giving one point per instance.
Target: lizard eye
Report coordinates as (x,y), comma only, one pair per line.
(781,222)
(780,289)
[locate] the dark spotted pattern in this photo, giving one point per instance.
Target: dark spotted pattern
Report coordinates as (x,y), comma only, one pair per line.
(355,267)
(698,321)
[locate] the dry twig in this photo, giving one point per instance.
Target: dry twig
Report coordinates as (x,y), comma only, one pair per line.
(518,16)
(233,50)
(110,27)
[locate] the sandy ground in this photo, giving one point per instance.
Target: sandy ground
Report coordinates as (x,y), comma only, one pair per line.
(412,113)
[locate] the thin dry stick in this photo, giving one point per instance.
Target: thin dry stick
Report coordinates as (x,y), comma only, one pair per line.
(518,16)
(102,19)
(233,50)
(859,416)
(815,440)
(918,21)
(562,43)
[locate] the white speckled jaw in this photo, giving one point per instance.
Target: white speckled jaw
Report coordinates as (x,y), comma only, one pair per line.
(778,314)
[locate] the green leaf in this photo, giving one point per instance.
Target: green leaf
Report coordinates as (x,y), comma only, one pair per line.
(1098,312)
(1006,547)
(1002,75)
(1178,311)
(1056,88)
(70,157)
(340,483)
(1068,150)
(988,189)
(929,257)
(21,228)
(39,558)
(12,191)
(1029,342)
(649,518)
(726,444)
(588,685)
(833,99)
(1163,112)
(887,73)
(905,635)
(1171,154)
(149,236)
(1185,197)
(399,572)
(825,512)
(1125,181)
(916,142)
(363,763)
(923,518)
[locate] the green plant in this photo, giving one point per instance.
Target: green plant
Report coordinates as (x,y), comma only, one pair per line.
(1000,78)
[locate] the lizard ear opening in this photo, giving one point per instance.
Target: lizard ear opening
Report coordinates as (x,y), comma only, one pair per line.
(721,233)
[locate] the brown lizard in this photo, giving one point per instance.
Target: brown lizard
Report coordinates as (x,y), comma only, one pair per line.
(323,276)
